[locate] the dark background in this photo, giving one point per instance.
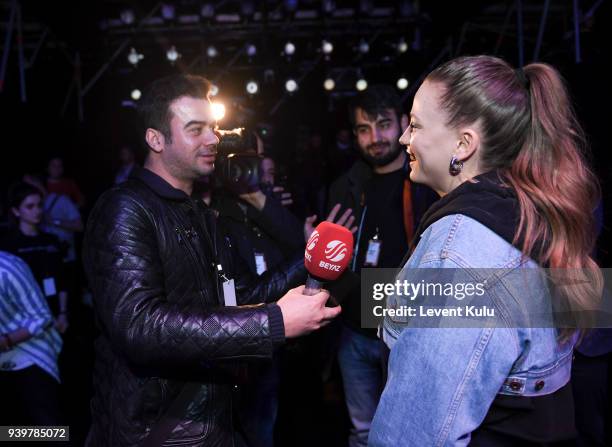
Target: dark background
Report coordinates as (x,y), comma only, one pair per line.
(55,33)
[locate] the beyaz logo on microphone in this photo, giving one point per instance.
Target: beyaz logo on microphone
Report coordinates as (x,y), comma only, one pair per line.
(328,251)
(314,238)
(335,251)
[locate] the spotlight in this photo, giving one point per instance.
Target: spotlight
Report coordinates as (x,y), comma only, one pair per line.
(172,55)
(329,84)
(252,87)
(364,46)
(134,56)
(291,85)
(251,50)
(136,94)
(212,52)
(361,84)
(402,83)
(402,46)
(327,47)
(167,11)
(289,49)
(218,110)
(127,16)
(214,90)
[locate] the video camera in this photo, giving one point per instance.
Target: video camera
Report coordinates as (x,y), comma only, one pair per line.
(238,164)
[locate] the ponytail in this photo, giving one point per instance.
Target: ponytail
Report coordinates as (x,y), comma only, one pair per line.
(531,135)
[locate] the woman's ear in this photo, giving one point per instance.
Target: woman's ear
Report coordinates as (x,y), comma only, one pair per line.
(468,144)
(155,139)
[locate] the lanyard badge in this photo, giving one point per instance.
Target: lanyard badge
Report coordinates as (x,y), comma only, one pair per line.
(229,289)
(373,253)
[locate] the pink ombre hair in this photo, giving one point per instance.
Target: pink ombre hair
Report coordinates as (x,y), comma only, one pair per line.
(532,137)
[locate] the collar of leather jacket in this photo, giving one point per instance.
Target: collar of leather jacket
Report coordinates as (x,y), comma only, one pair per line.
(161,187)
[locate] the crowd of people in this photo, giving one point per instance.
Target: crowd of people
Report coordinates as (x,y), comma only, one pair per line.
(175,312)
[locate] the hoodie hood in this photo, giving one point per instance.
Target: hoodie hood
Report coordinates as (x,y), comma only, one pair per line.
(485,199)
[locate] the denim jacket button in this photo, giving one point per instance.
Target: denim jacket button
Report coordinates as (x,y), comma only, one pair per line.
(515,385)
(539,385)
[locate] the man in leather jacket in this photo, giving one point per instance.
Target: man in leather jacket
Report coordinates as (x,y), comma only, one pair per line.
(172,338)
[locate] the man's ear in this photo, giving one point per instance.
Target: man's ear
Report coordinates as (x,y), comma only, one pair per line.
(404,121)
(155,139)
(469,143)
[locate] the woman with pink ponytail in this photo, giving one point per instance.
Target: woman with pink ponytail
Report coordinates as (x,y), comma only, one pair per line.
(503,149)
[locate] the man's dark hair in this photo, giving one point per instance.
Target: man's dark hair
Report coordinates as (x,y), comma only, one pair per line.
(374,100)
(154,106)
(19,191)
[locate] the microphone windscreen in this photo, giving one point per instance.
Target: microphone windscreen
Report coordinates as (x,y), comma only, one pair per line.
(328,251)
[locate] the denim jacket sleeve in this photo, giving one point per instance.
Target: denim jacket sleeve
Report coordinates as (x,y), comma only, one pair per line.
(441,382)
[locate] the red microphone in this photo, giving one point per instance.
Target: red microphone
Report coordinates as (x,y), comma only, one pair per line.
(328,253)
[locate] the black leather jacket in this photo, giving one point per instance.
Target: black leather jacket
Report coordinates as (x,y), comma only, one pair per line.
(150,253)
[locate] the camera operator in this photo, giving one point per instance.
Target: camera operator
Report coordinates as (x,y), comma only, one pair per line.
(267,236)
(165,290)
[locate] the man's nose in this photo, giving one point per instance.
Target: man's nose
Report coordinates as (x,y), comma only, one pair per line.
(211,138)
(376,135)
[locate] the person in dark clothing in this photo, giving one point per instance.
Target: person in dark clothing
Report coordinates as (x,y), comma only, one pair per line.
(387,207)
(42,251)
(265,234)
(166,287)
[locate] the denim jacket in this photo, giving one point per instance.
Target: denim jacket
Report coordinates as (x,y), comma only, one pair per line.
(442,381)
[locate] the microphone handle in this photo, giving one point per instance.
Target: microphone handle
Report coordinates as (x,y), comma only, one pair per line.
(313,286)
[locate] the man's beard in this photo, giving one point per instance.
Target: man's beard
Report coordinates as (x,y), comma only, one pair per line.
(384,160)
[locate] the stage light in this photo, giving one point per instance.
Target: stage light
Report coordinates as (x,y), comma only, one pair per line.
(134,56)
(327,47)
(361,84)
(252,87)
(212,52)
(127,16)
(172,55)
(251,50)
(402,83)
(218,111)
(364,46)
(289,49)
(167,11)
(329,84)
(291,85)
(402,46)
(136,94)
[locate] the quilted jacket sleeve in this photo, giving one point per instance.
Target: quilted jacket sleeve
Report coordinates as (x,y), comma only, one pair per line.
(124,268)
(270,286)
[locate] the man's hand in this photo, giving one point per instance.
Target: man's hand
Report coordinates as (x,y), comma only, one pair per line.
(284,196)
(257,199)
(346,220)
(303,314)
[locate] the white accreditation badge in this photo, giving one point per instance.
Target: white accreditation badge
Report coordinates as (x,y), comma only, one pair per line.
(229,293)
(260,263)
(49,287)
(373,252)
